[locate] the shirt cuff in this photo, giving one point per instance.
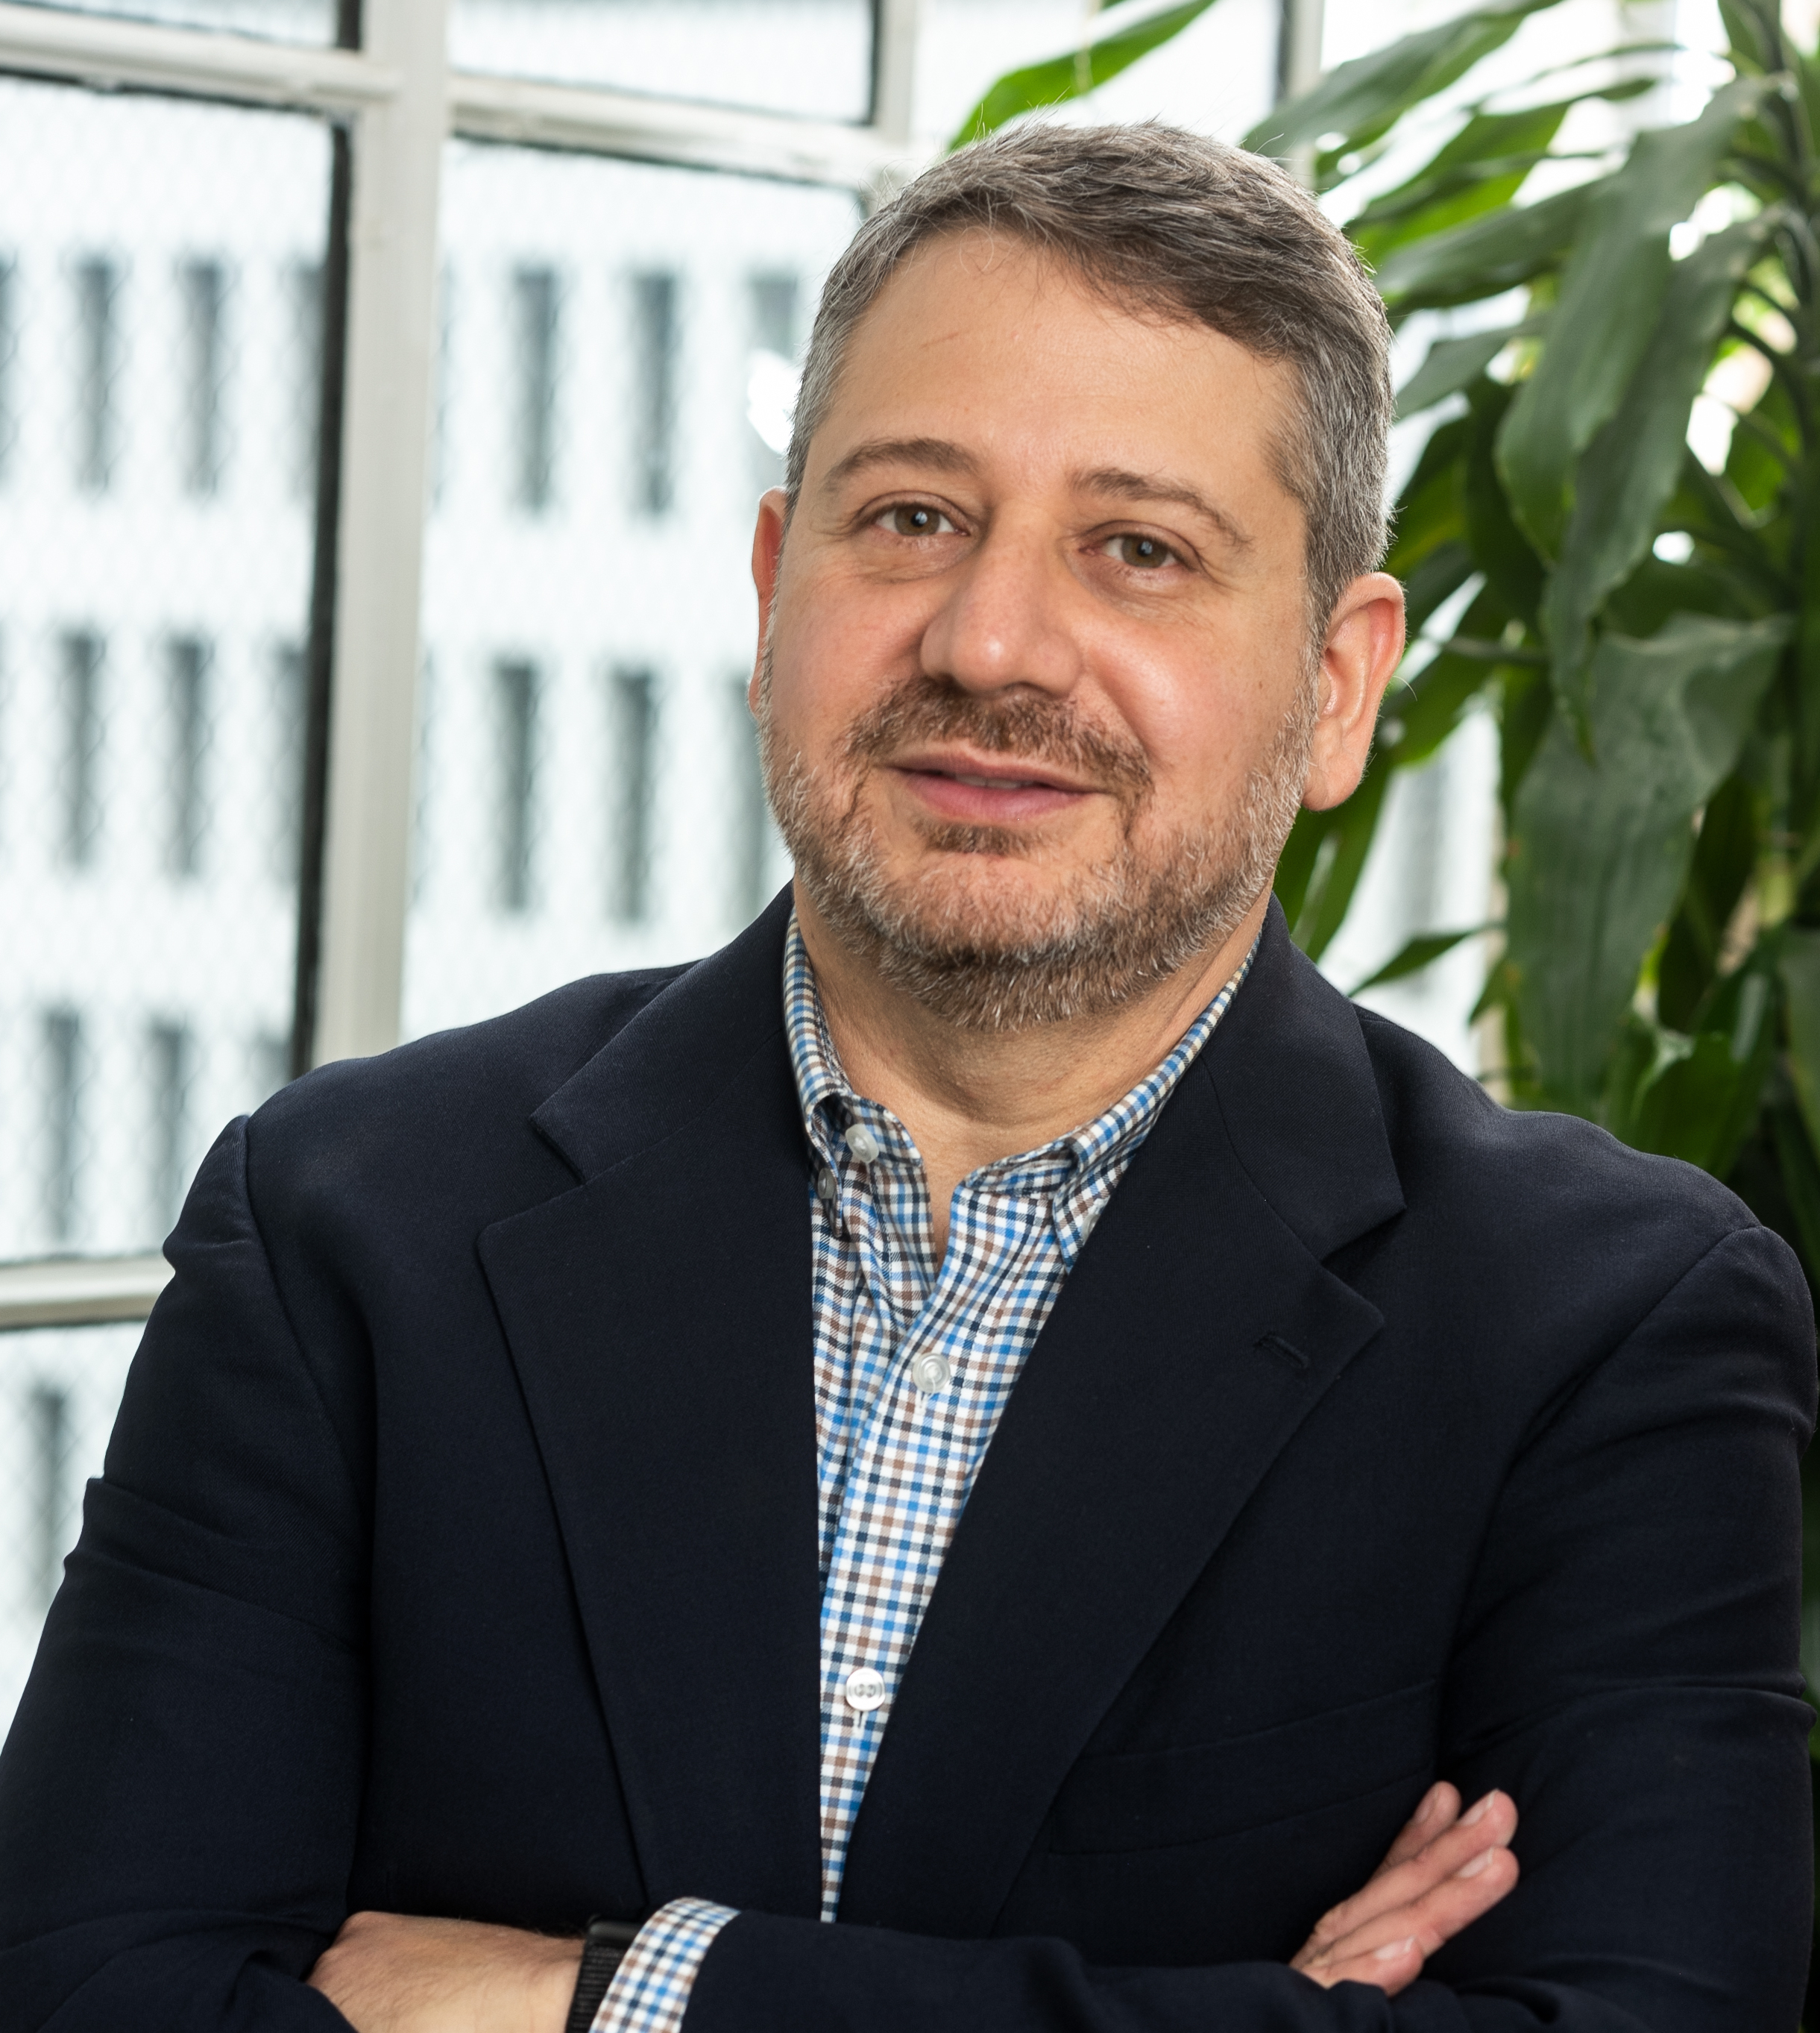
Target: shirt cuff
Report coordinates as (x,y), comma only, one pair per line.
(650,1989)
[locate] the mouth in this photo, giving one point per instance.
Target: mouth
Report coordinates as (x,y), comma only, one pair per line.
(986,790)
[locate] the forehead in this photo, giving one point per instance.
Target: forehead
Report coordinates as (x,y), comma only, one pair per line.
(981,335)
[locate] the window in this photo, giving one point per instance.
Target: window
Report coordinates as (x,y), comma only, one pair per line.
(47,1426)
(201,286)
(632,698)
(169,1051)
(63,1091)
(653,352)
(154,710)
(96,358)
(516,685)
(80,705)
(186,671)
(771,371)
(534,334)
(304,290)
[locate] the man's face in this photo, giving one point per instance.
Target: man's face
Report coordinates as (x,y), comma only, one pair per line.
(1040,687)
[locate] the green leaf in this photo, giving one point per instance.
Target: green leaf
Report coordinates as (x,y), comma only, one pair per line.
(1365,97)
(1486,255)
(1630,469)
(1296,865)
(1800,967)
(1611,291)
(1354,828)
(1723,856)
(1057,80)
(1512,570)
(1698,1095)
(1801,1181)
(1525,713)
(1421,951)
(1482,167)
(1439,576)
(1599,850)
(1452,365)
(1431,510)
(1420,712)
(1765,450)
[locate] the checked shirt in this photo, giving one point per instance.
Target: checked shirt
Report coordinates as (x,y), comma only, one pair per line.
(914,1361)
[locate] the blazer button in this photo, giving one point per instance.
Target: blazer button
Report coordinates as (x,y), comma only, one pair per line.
(865,1689)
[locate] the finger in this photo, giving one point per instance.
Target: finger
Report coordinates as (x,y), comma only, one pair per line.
(1436,1812)
(1490,1823)
(1440,1914)
(1392,1967)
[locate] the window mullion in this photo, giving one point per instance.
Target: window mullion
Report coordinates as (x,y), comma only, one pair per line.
(101,50)
(390,353)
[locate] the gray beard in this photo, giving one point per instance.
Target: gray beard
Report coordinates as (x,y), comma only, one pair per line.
(983,962)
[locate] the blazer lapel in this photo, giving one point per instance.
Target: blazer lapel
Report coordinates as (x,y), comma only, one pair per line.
(1194,1334)
(659,1318)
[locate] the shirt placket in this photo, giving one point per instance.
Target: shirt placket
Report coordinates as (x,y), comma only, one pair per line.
(913,1462)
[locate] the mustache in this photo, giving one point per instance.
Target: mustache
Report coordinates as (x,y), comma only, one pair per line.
(1032,727)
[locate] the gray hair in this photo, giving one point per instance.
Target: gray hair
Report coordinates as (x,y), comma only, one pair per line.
(1185,229)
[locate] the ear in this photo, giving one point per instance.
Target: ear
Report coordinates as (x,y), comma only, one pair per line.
(767,558)
(1364,646)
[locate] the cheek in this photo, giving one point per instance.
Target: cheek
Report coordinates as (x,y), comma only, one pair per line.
(834,655)
(1203,735)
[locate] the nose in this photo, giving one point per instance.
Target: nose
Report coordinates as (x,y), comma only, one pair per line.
(1004,621)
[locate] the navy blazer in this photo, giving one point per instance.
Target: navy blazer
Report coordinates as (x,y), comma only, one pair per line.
(456,1554)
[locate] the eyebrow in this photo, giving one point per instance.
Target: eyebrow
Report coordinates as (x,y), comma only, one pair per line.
(942,456)
(1136,487)
(936,453)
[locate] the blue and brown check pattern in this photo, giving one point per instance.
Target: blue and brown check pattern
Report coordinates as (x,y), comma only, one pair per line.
(914,1362)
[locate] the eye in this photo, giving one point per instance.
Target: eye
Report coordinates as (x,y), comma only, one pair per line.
(915,518)
(1142,553)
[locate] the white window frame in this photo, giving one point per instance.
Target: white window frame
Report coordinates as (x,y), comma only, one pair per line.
(401,100)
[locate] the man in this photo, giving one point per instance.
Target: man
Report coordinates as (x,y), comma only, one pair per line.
(977,1459)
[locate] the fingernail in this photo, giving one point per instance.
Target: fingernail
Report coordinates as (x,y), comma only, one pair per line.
(1392,1949)
(1475,1866)
(1476,1811)
(1430,1801)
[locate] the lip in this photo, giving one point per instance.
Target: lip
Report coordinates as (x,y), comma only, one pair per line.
(986,790)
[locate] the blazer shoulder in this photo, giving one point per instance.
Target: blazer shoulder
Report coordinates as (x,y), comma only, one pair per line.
(456,1092)
(1543,1182)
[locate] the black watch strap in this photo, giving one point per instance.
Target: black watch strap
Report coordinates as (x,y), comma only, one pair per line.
(603,1950)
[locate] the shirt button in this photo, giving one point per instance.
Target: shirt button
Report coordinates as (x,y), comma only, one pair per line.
(826,1184)
(865,1689)
(930,1373)
(863,1143)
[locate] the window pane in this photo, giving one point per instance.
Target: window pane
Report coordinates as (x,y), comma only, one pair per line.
(783,56)
(619,362)
(278,20)
(59,1389)
(158,347)
(1217,77)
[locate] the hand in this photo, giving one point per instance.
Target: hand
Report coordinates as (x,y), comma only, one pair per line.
(1444,1870)
(387,1973)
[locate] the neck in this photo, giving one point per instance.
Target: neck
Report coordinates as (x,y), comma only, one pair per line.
(968,1097)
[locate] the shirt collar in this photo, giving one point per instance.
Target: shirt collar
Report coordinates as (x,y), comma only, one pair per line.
(1085,1158)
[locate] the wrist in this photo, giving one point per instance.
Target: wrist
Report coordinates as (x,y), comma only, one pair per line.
(554,1985)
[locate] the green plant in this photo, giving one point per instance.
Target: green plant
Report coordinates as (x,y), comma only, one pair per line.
(1646,630)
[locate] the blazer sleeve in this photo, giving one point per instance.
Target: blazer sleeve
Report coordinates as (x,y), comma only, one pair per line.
(1625,1667)
(179,1794)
